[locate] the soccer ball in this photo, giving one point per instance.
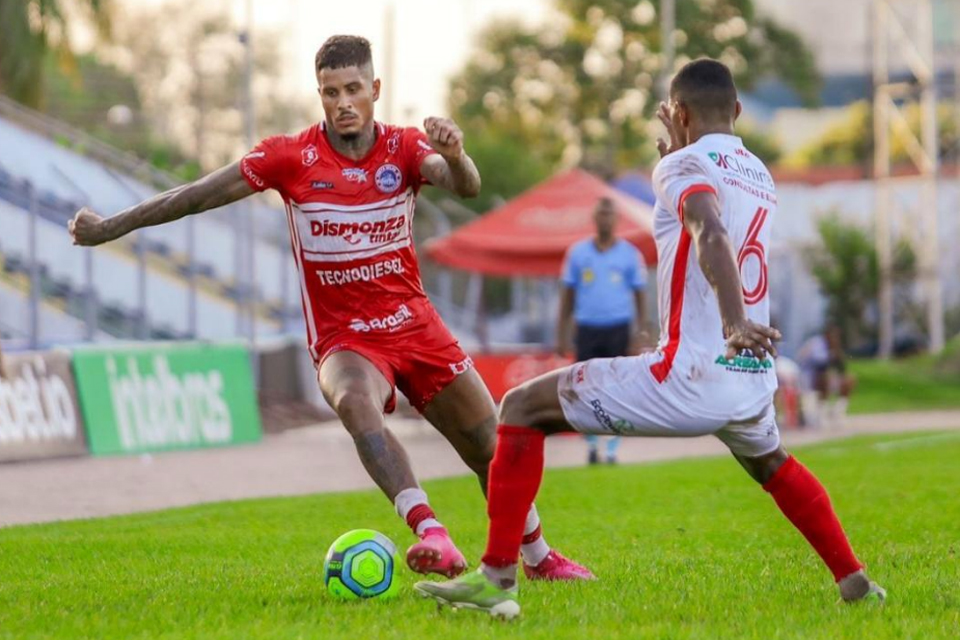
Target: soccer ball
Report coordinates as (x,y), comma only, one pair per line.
(361,564)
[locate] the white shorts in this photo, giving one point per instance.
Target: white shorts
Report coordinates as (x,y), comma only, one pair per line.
(620,396)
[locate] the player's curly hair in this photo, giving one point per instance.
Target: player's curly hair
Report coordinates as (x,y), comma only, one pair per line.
(343,51)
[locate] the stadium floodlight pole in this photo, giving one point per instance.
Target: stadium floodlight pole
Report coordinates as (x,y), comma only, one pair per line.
(191,278)
(931,168)
(142,330)
(881,172)
(34,267)
(89,297)
(250,286)
(916,51)
(668,24)
(389,54)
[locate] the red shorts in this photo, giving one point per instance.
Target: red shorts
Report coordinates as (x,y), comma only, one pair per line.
(420,362)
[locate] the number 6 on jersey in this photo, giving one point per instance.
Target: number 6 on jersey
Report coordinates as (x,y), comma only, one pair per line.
(753,247)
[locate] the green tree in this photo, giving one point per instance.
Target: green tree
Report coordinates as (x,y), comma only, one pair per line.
(581,88)
(188,65)
(850,141)
(31,29)
(846,268)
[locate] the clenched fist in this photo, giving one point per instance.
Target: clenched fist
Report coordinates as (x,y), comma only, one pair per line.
(86,228)
(444,136)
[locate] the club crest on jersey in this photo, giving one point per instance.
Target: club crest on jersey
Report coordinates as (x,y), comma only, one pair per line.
(388,178)
(310,155)
(393,144)
(355,175)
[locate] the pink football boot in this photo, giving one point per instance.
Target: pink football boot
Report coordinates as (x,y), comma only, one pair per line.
(556,567)
(436,553)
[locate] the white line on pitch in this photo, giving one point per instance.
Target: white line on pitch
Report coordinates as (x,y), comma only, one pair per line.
(915,442)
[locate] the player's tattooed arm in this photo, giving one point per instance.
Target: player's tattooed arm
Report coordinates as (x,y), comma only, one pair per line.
(217,189)
(451,169)
(701,217)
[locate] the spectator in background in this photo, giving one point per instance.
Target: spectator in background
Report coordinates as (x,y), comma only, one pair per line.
(825,376)
(603,281)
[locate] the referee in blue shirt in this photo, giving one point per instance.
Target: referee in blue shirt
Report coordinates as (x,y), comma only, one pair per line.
(603,281)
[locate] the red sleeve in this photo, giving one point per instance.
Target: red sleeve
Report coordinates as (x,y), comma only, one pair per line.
(415,149)
(266,164)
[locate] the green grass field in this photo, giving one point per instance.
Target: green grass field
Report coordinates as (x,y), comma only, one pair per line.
(912,384)
(689,549)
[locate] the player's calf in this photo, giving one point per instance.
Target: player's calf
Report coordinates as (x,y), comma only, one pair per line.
(804,501)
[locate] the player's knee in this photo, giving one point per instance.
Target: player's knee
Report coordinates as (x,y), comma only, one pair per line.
(515,407)
(763,468)
(355,408)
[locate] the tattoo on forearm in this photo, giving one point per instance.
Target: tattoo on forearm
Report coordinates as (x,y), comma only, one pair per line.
(215,190)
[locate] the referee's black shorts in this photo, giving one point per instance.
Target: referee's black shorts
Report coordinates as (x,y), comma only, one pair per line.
(602,342)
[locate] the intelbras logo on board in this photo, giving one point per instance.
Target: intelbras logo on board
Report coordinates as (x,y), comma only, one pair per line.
(160,408)
(36,406)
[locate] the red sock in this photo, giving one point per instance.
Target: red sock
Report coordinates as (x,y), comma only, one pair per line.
(533,536)
(418,514)
(515,474)
(806,504)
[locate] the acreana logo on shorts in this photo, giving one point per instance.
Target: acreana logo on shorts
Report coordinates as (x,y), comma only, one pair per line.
(36,406)
(607,421)
(379,232)
(310,155)
(355,175)
(389,323)
(388,178)
(162,409)
(744,364)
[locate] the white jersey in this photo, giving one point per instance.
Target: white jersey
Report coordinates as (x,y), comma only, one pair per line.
(692,344)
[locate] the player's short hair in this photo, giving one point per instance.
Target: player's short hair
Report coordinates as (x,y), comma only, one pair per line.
(339,52)
(706,87)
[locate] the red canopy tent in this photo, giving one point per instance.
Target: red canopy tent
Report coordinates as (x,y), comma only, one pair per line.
(530,235)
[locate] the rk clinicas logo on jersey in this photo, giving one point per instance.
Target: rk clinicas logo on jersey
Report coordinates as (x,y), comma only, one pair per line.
(718,160)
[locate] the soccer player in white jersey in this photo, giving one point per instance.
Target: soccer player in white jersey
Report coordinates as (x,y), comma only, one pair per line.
(712,373)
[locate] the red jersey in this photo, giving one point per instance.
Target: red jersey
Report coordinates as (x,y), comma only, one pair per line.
(351,230)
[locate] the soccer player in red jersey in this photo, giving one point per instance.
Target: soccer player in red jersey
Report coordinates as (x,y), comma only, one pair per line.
(711,373)
(349,186)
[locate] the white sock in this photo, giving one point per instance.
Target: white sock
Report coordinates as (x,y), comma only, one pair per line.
(534,553)
(503,577)
(406,500)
